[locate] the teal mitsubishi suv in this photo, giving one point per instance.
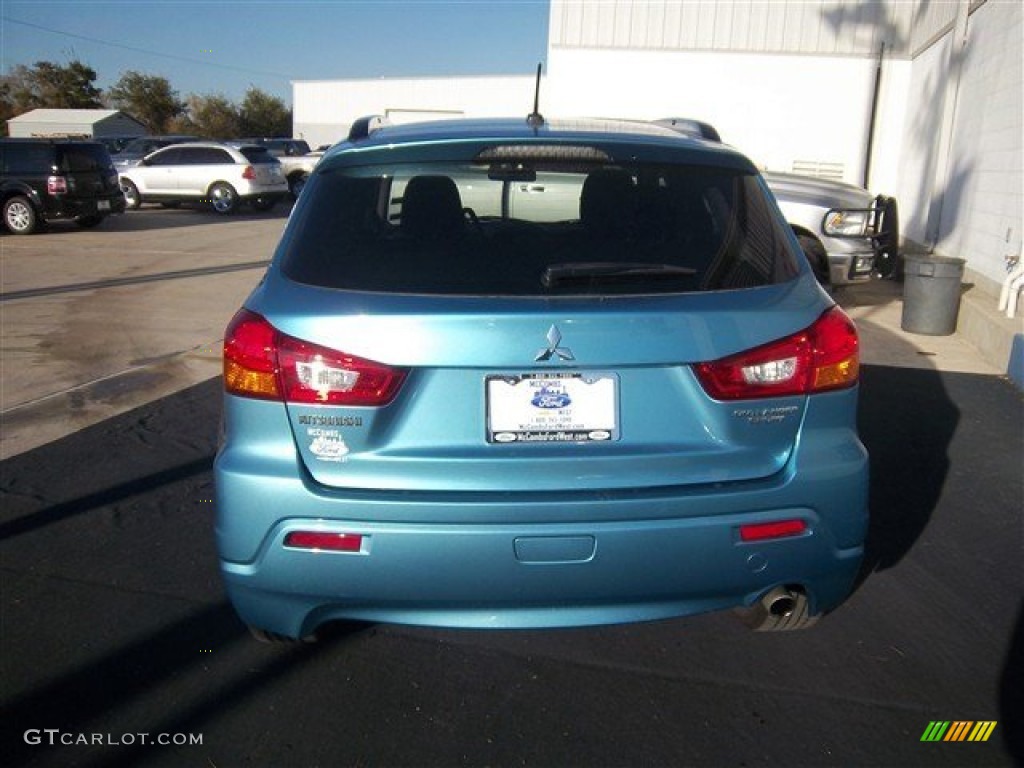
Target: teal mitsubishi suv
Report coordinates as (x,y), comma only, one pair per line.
(530,373)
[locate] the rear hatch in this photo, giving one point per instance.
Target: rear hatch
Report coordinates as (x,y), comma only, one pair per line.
(267,168)
(88,169)
(555,353)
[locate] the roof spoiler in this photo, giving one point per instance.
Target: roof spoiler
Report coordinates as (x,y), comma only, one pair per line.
(696,128)
(364,126)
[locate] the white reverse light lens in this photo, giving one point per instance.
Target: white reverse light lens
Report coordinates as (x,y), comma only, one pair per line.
(772,372)
(324,378)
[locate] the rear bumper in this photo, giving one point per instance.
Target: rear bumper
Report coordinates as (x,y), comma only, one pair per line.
(253,190)
(61,208)
(505,577)
(534,559)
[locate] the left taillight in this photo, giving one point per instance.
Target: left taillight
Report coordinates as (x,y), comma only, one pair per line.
(56,185)
(824,357)
(261,362)
(249,173)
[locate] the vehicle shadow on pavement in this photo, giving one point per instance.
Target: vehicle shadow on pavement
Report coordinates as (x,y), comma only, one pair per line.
(111,588)
(108,689)
(907,421)
(150,218)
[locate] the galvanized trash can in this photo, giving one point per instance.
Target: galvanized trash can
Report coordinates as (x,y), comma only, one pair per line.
(931,293)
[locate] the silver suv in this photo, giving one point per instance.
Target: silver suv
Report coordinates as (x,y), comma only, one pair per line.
(209,172)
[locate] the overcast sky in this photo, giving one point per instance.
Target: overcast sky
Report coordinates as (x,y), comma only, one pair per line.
(226,46)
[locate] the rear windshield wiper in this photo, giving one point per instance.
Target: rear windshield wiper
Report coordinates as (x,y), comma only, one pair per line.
(587,271)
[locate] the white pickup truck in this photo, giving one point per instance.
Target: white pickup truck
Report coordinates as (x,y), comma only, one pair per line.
(297,169)
(848,234)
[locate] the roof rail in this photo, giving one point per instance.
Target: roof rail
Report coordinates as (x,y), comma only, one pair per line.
(364,126)
(690,127)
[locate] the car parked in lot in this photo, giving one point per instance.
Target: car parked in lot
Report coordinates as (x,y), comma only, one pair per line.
(53,179)
(281,146)
(131,154)
(847,233)
(115,144)
(455,399)
(296,164)
(209,172)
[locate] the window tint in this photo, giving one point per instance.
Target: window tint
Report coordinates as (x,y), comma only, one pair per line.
(205,156)
(84,157)
(166,157)
(593,230)
(29,158)
(258,155)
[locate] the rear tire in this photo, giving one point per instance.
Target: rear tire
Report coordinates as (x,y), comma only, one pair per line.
(20,216)
(223,198)
(132,198)
(296,183)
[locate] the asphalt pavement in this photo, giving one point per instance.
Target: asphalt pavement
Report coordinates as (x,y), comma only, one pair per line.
(114,625)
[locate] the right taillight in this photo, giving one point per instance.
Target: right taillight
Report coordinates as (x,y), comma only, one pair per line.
(823,357)
(56,185)
(262,362)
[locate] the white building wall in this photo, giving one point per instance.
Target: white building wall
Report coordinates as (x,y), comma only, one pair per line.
(325,109)
(918,159)
(843,27)
(983,199)
(778,109)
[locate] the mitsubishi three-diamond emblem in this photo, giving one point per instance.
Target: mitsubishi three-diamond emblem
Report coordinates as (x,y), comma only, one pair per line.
(554,339)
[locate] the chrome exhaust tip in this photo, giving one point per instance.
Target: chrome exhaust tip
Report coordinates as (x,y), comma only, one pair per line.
(780,602)
(781,609)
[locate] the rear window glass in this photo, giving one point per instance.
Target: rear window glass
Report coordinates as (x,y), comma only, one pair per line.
(258,155)
(84,157)
(515,229)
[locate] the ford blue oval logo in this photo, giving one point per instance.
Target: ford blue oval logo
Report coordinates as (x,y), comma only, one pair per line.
(551,398)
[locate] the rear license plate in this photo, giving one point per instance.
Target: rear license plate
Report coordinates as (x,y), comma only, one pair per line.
(553,408)
(103,205)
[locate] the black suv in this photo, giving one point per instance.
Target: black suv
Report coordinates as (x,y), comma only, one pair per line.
(52,179)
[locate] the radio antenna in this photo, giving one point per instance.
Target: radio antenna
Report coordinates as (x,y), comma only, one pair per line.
(535,119)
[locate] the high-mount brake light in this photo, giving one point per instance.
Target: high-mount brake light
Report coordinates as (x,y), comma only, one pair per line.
(261,362)
(824,357)
(542,152)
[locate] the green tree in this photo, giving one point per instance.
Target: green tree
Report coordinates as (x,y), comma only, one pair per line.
(264,115)
(148,98)
(7,110)
(52,86)
(212,117)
